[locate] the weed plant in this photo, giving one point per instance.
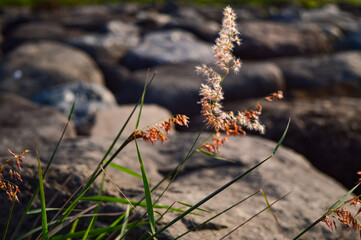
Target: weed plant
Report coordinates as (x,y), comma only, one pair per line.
(223,124)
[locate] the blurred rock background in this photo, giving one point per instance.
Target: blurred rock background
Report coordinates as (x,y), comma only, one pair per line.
(51,53)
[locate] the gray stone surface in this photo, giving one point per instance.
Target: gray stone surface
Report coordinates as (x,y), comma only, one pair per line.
(34,67)
(168,47)
(111,45)
(265,39)
(176,87)
(90,98)
(337,74)
(311,192)
(26,125)
(107,123)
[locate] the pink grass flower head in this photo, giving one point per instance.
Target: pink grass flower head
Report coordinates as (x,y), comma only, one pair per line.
(212,93)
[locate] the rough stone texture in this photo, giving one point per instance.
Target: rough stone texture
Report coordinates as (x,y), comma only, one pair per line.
(90,98)
(262,39)
(168,47)
(311,192)
(332,14)
(189,19)
(26,125)
(34,67)
(176,87)
(326,131)
(337,74)
(33,31)
(111,45)
(107,123)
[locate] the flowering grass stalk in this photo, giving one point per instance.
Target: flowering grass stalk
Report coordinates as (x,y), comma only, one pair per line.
(229,123)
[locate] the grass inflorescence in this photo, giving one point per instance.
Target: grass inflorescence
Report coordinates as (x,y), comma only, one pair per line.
(65,224)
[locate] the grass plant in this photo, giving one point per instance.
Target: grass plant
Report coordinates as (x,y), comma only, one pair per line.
(65,224)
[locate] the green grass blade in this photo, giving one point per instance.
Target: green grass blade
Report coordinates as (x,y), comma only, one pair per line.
(148,197)
(249,219)
(282,138)
(68,221)
(343,198)
(125,170)
(126,201)
(115,223)
(210,154)
(329,211)
(9,217)
(189,205)
(210,219)
(273,214)
(44,220)
(45,172)
(96,231)
(142,98)
(125,223)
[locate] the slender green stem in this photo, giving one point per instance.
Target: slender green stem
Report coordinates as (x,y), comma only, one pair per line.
(10,214)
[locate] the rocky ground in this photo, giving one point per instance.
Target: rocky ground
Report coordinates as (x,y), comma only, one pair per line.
(102,54)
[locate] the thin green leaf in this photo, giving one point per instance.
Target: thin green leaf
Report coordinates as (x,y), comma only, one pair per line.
(125,170)
(148,197)
(210,219)
(95,232)
(19,225)
(125,223)
(68,221)
(249,219)
(44,219)
(343,198)
(329,211)
(211,154)
(126,201)
(188,205)
(270,209)
(282,138)
(9,217)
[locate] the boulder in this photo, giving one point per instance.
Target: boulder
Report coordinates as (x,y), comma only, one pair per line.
(332,14)
(311,192)
(26,125)
(34,67)
(90,98)
(176,87)
(186,17)
(107,123)
(326,131)
(337,74)
(111,45)
(168,47)
(265,39)
(31,31)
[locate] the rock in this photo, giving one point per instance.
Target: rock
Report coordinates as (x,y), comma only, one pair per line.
(88,18)
(185,18)
(263,39)
(33,31)
(331,14)
(90,98)
(26,125)
(337,74)
(34,67)
(311,194)
(107,123)
(176,87)
(168,47)
(326,131)
(111,45)
(351,41)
